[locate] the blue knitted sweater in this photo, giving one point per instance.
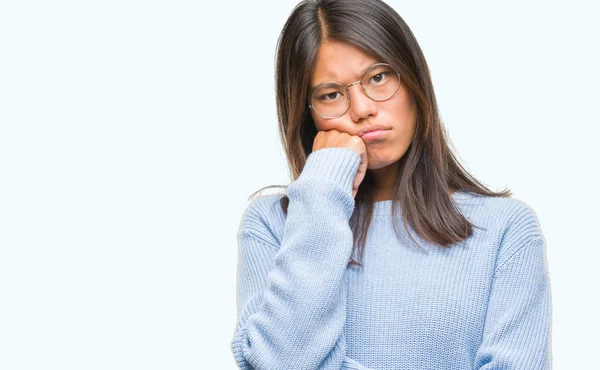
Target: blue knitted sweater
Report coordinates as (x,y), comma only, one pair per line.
(484,303)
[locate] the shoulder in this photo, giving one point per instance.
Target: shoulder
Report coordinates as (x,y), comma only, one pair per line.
(264,218)
(518,219)
(513,216)
(509,223)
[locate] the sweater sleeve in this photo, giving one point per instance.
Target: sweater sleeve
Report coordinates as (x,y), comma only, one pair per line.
(517,329)
(292,295)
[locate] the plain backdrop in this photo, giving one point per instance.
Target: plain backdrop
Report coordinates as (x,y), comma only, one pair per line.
(133,132)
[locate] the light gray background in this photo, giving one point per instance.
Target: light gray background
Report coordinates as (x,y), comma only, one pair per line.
(132,133)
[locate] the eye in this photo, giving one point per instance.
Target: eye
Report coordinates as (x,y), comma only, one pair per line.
(328,97)
(379,77)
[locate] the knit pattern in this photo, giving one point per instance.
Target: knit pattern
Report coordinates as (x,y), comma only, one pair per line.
(484,303)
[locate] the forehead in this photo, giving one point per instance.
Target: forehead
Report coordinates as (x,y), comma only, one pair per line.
(340,62)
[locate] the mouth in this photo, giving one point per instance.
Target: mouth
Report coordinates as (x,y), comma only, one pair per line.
(375,134)
(371,128)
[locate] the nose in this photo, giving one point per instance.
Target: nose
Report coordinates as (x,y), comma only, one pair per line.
(361,106)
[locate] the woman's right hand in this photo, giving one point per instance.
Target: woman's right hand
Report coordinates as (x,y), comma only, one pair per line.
(337,139)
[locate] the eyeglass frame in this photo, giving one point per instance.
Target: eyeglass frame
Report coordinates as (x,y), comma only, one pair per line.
(310,106)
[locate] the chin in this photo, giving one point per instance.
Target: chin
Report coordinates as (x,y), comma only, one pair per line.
(376,165)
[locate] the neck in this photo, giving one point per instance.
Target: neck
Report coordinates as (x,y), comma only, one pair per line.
(384,180)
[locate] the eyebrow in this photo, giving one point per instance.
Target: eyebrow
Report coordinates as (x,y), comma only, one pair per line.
(360,74)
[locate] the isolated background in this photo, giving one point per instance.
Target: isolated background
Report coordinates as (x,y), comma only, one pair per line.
(133,132)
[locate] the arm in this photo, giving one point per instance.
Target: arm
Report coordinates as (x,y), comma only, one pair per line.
(518,322)
(292,297)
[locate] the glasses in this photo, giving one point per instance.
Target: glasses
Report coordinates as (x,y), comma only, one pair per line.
(332,100)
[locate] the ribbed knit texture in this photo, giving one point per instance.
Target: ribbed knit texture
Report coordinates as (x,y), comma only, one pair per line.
(484,303)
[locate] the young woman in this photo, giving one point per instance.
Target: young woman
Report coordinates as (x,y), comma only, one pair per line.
(384,253)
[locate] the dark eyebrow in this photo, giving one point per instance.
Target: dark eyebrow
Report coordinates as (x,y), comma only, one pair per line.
(312,88)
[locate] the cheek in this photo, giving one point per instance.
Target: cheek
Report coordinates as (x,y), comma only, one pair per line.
(398,108)
(401,112)
(323,124)
(317,120)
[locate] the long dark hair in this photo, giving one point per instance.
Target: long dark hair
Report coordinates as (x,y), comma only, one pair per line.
(428,171)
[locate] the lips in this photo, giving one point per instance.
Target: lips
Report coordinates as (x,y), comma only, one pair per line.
(371,129)
(375,136)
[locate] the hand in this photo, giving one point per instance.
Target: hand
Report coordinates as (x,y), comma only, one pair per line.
(337,139)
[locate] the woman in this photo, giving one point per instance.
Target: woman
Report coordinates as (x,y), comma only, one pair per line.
(385,253)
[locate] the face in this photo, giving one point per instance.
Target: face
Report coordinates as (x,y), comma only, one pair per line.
(345,63)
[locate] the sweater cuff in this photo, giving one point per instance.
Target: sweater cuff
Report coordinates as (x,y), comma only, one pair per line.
(332,164)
